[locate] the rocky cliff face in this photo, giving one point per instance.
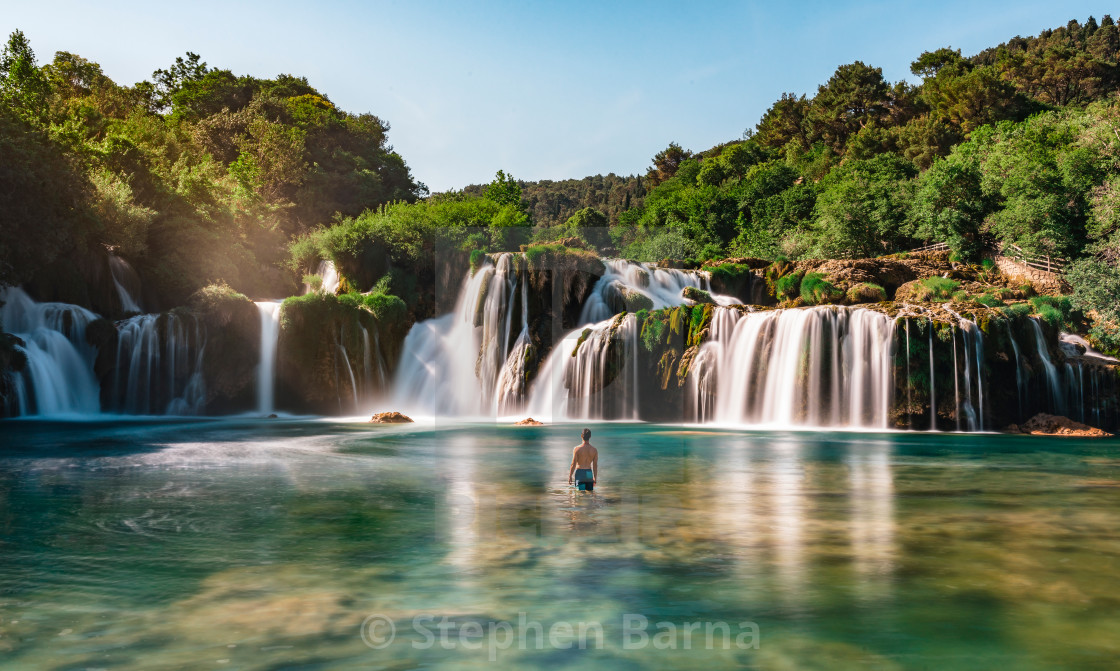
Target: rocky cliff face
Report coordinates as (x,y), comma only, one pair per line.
(334,355)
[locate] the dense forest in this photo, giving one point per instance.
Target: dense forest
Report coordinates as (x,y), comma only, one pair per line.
(201,175)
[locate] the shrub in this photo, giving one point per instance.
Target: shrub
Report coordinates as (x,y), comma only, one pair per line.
(1018,310)
(313,281)
(788,287)
(989,300)
(215,296)
(937,288)
(867,293)
(816,290)
(386,307)
(1054,310)
(563,259)
(728,272)
(478,256)
(653,327)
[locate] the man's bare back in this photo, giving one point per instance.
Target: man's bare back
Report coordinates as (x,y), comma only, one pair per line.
(585,463)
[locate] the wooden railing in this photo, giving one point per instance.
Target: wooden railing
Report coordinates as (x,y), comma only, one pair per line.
(1050,264)
(933,247)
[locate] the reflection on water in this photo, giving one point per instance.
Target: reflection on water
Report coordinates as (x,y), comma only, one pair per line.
(265,545)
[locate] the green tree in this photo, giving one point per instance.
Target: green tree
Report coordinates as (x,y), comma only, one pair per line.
(862,207)
(666,163)
(168,82)
(854,96)
(949,204)
(784,122)
(504,190)
(23,86)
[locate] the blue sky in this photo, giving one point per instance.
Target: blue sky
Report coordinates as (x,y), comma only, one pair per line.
(543,90)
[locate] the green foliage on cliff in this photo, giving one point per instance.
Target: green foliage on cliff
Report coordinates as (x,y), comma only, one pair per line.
(788,287)
(866,292)
(562,259)
(816,290)
(1054,310)
(936,289)
(1096,286)
(386,307)
(408,236)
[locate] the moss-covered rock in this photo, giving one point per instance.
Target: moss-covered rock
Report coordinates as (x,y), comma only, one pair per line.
(866,292)
(696,295)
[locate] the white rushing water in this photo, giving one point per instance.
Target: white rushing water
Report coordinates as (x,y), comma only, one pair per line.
(822,366)
(329,276)
(159,366)
(436,374)
(472,362)
(266,370)
(126,282)
(58,379)
(663,286)
(1053,385)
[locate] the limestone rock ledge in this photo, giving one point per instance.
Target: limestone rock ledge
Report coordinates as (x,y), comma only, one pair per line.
(1054,425)
(390,418)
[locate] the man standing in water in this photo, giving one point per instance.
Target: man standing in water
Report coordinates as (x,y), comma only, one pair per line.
(585,464)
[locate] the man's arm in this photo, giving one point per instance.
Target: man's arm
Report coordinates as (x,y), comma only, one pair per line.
(572,469)
(595,468)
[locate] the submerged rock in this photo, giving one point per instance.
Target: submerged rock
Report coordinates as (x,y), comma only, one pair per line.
(390,418)
(1043,424)
(528,421)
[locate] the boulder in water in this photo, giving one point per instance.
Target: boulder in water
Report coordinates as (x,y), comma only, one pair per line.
(528,421)
(1043,424)
(390,418)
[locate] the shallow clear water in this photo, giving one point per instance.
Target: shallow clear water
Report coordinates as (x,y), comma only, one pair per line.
(246,544)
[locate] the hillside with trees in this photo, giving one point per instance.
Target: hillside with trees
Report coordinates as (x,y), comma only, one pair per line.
(195,176)
(201,175)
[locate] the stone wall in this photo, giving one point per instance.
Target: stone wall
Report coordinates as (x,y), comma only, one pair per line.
(1041,281)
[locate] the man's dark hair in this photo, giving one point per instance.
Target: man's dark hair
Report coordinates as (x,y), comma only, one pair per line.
(586,434)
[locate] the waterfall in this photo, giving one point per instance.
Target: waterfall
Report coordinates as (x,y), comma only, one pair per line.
(662,286)
(1019,379)
(126,282)
(59,376)
(341,352)
(329,275)
(437,372)
(159,365)
(512,384)
(591,374)
(774,368)
(266,370)
(909,421)
(1056,400)
(932,377)
(967,336)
